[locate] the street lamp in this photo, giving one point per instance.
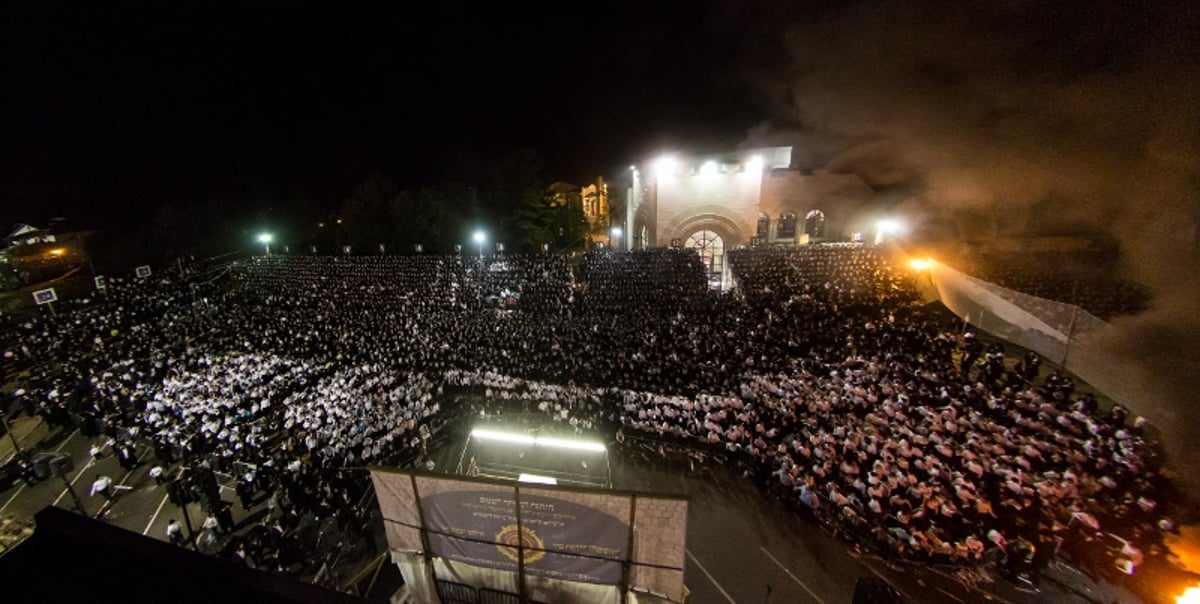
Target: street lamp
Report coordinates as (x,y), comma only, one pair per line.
(616,238)
(265,239)
(479,238)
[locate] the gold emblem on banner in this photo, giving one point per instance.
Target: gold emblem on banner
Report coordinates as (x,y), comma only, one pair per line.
(507,542)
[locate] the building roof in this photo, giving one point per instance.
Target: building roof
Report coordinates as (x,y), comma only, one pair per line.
(73,558)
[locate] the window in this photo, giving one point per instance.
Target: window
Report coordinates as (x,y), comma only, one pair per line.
(814,224)
(786,226)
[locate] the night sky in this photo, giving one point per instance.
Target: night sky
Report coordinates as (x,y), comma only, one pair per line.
(1081,111)
(109,112)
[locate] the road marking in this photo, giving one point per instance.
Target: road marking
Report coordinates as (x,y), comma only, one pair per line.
(950,595)
(710,577)
(974,588)
(882,578)
(155,516)
(24,484)
(789,573)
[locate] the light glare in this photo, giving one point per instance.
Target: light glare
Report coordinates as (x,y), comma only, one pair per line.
(1190,595)
(538,441)
(665,166)
(920,264)
(537,479)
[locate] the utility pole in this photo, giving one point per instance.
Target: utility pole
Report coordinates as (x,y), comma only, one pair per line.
(70,488)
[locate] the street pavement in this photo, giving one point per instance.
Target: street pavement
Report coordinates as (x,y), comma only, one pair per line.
(142,508)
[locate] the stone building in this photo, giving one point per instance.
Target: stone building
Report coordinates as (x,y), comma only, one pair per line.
(715,202)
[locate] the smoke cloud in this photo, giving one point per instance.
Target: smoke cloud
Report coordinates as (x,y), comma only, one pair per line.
(1088,113)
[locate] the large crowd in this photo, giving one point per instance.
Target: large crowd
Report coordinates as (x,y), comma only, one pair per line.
(821,373)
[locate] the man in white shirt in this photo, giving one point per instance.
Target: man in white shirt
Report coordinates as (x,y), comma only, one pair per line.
(102,485)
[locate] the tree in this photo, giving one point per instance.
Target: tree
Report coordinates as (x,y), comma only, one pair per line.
(431,215)
(366,216)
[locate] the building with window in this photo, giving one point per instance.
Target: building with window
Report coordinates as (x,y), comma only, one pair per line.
(750,197)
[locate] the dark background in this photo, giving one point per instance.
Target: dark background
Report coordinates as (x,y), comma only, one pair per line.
(111,112)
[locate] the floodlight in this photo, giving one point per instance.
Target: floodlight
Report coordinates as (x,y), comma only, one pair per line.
(265,237)
(708,168)
(920,264)
(538,441)
(665,166)
(508,437)
(479,237)
(887,226)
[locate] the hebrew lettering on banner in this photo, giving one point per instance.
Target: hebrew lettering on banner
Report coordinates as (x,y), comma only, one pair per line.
(562,539)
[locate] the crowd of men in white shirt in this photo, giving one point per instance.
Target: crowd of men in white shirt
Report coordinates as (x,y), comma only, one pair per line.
(820,373)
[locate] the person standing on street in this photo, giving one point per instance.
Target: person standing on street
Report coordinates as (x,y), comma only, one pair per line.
(175,533)
(102,485)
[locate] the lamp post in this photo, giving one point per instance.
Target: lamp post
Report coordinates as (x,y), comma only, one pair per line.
(265,239)
(479,238)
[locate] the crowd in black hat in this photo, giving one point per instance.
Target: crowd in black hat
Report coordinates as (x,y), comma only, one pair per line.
(821,372)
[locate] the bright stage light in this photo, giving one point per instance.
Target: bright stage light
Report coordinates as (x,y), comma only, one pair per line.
(535,479)
(265,238)
(479,236)
(920,264)
(508,437)
(708,168)
(538,441)
(616,231)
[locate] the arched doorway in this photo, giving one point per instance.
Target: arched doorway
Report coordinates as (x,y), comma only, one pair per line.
(711,248)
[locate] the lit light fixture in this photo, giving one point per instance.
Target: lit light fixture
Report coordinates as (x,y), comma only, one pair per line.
(885,227)
(536,479)
(616,231)
(538,441)
(920,264)
(479,237)
(58,251)
(708,168)
(265,239)
(665,166)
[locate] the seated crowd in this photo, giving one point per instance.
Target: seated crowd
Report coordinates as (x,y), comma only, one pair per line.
(821,373)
